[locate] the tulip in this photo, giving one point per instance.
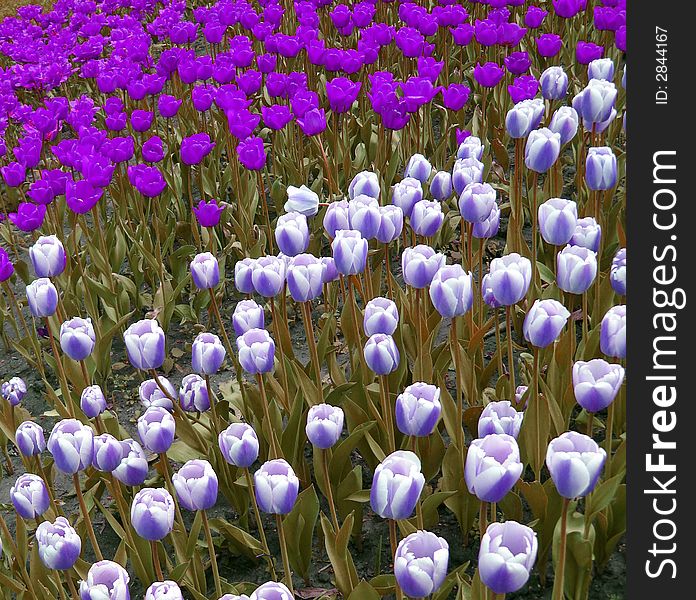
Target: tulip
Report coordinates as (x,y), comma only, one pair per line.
(523,117)
(324,425)
(420,563)
(164,590)
(30,438)
(239,445)
(418,409)
(544,322)
(565,123)
(506,556)
(337,217)
(29,496)
(92,401)
(302,200)
(441,186)
(268,276)
(509,278)
(42,297)
(617,274)
(576,269)
(207,212)
(492,466)
(108,452)
(6,266)
(419,265)
(205,271)
(59,545)
(349,252)
(364,215)
(29,217)
(132,468)
(451,291)
(276,487)
(151,395)
(152,513)
(476,202)
(330,272)
(14,390)
(488,75)
(600,169)
(77,338)
(542,150)
(419,168)
(195,148)
(156,429)
(381,354)
(557,220)
(364,183)
(48,256)
(554,83)
(588,234)
(272,590)
(427,217)
(305,278)
(487,228)
(612,333)
(207,353)
(72,445)
(145,344)
(406,193)
(601,68)
(106,580)
(396,485)
(243,275)
(256,351)
(575,462)
(391,223)
(196,485)
(471,147)
(380,316)
(500,417)
(596,383)
(247,315)
(193,394)
(595,102)
(292,233)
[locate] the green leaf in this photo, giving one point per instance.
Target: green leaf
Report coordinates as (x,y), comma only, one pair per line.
(300,523)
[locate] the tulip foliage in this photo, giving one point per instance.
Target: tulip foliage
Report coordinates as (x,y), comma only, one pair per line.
(360,266)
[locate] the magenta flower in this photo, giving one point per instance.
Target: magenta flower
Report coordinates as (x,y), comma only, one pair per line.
(251,153)
(195,148)
(488,75)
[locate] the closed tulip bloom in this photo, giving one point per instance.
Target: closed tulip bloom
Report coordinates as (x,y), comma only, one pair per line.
(419,168)
(247,315)
(391,223)
(381,354)
(324,425)
(601,68)
(243,275)
(349,252)
(576,269)
(596,383)
(380,316)
(92,401)
(156,429)
(196,485)
(77,338)
(152,513)
(397,485)
(72,445)
(150,393)
(14,390)
(476,202)
(565,122)
(208,212)
(164,590)
(612,334)
(207,353)
(42,297)
(451,291)
(600,169)
(276,487)
(557,220)
(108,452)
(506,556)
(509,278)
(492,466)
(106,580)
(364,216)
(256,351)
(470,147)
(29,496)
(544,322)
(595,102)
(292,233)
(427,217)
(500,417)
(588,234)
(617,274)
(239,445)
(441,186)
(193,394)
(465,172)
(330,272)
(305,278)
(419,265)
(420,563)
(302,200)
(48,256)
(337,217)
(268,276)
(272,590)
(205,271)
(487,228)
(58,544)
(523,117)
(30,438)
(145,344)
(6,266)
(133,467)
(364,183)
(418,409)
(406,193)
(542,149)
(554,83)
(575,462)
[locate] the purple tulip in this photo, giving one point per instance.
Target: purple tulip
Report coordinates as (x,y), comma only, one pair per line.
(586,52)
(324,425)
(576,269)
(164,590)
(380,316)
(509,278)
(305,278)
(381,354)
(557,220)
(588,234)
(427,217)
(506,556)
(207,353)
(14,390)
(196,485)
(108,452)
(268,276)
(29,496)
(451,291)
(42,297)
(28,217)
(419,265)
(106,580)
(239,445)
(256,351)
(617,274)
(302,201)
(500,417)
(488,75)
(251,153)
(596,383)
(341,93)
(349,252)
(152,513)
(492,467)
(205,271)
(612,334)
(600,169)
(549,44)
(145,344)
(132,468)
(156,429)
(6,266)
(195,148)
(418,409)
(575,462)
(92,401)
(30,438)
(476,202)
(208,213)
(193,394)
(396,485)
(455,96)
(406,193)
(276,487)
(58,544)
(72,445)
(48,256)
(77,338)
(420,563)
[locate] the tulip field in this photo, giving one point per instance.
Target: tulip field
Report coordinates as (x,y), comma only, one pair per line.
(313,299)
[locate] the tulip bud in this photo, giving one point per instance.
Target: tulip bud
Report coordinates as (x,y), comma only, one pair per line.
(145,344)
(612,333)
(29,496)
(617,274)
(380,316)
(595,102)
(557,220)
(364,183)
(207,353)
(108,452)
(419,168)
(492,466)
(427,217)
(72,445)
(596,383)
(30,439)
(336,217)
(196,485)
(156,429)
(292,233)
(419,265)
(364,216)
(247,315)
(330,272)
(554,83)
(391,223)
(465,172)
(106,580)
(544,322)
(397,485)
(205,271)
(520,391)
(506,556)
(487,228)
(92,401)
(600,169)
(272,591)
(588,234)
(441,186)
(14,390)
(476,202)
(276,487)
(305,278)
(471,147)
(48,256)
(164,590)
(509,278)
(239,445)
(132,468)
(576,269)
(268,276)
(451,291)
(565,122)
(193,394)
(58,544)
(420,563)
(243,270)
(418,409)
(381,354)
(406,193)
(324,425)
(542,149)
(524,117)
(77,338)
(302,200)
(151,395)
(256,351)
(42,297)
(500,417)
(601,68)
(152,513)
(575,462)
(349,252)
